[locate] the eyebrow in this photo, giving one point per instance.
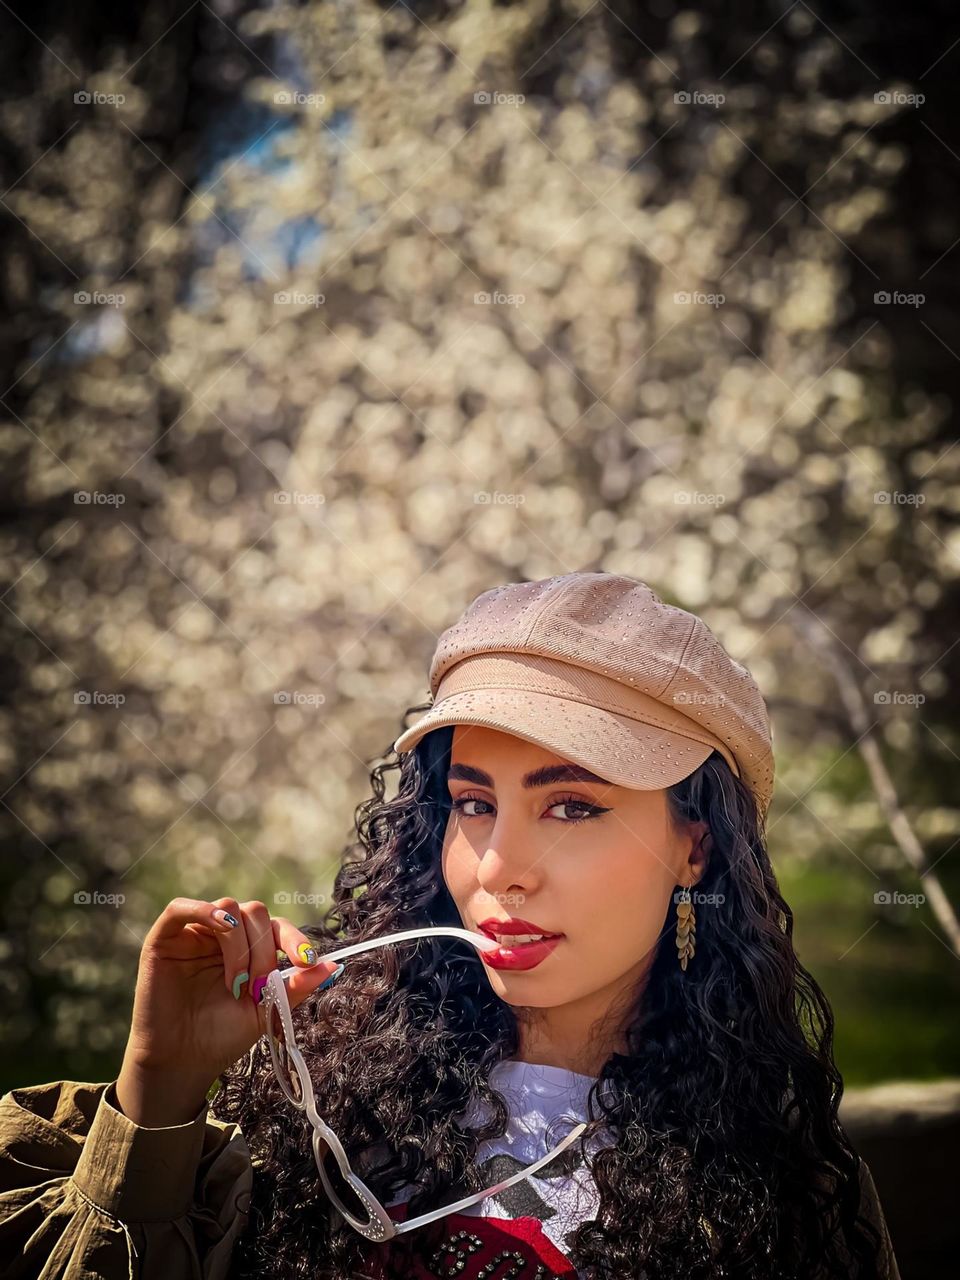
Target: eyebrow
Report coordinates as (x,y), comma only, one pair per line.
(543,777)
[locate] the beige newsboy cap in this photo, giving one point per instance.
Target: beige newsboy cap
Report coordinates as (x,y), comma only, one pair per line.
(596,668)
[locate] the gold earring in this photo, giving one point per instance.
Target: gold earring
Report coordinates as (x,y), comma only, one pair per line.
(686,928)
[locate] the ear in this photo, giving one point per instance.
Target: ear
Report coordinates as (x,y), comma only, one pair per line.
(701,842)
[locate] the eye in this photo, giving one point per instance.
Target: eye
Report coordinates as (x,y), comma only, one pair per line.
(465,800)
(568,802)
(574,802)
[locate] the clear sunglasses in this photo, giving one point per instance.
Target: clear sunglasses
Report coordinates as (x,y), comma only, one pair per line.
(349,1195)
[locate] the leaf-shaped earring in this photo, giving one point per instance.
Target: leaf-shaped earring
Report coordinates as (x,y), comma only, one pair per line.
(686,928)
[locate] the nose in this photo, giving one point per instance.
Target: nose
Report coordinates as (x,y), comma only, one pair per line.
(508,865)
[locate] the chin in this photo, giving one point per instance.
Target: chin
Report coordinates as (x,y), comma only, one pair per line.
(527,995)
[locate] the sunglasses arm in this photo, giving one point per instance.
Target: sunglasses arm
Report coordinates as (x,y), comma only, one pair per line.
(467,1201)
(477,940)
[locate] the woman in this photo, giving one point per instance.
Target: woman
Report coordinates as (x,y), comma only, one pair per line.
(593,768)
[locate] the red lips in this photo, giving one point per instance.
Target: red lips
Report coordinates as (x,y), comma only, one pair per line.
(513,924)
(525,955)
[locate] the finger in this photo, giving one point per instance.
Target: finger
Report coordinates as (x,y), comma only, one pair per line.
(263,947)
(305,981)
(233,943)
(311,972)
(294,943)
(180,912)
(214,919)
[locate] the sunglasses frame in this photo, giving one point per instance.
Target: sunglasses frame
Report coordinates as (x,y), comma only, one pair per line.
(380,1226)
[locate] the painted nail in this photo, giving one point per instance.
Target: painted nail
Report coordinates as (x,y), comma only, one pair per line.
(226,917)
(238,982)
(333,977)
(307,953)
(256,989)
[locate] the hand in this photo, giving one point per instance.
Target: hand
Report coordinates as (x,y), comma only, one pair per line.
(193,1012)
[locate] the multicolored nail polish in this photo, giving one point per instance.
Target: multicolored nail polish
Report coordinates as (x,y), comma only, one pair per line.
(256,989)
(333,977)
(226,917)
(307,953)
(238,982)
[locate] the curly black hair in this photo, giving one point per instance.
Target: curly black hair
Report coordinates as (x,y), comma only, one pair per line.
(730,1159)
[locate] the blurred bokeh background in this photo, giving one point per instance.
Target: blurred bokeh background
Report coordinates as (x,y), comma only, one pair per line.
(320,319)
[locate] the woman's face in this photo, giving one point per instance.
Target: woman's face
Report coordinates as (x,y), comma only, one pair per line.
(593,861)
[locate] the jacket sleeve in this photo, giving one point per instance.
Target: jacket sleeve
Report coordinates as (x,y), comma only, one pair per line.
(86,1192)
(870,1207)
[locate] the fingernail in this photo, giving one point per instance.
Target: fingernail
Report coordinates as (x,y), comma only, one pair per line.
(307,953)
(238,982)
(333,977)
(226,917)
(256,989)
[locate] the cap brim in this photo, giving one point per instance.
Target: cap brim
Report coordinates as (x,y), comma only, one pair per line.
(626,752)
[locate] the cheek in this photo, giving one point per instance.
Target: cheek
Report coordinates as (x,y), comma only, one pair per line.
(621,904)
(455,868)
